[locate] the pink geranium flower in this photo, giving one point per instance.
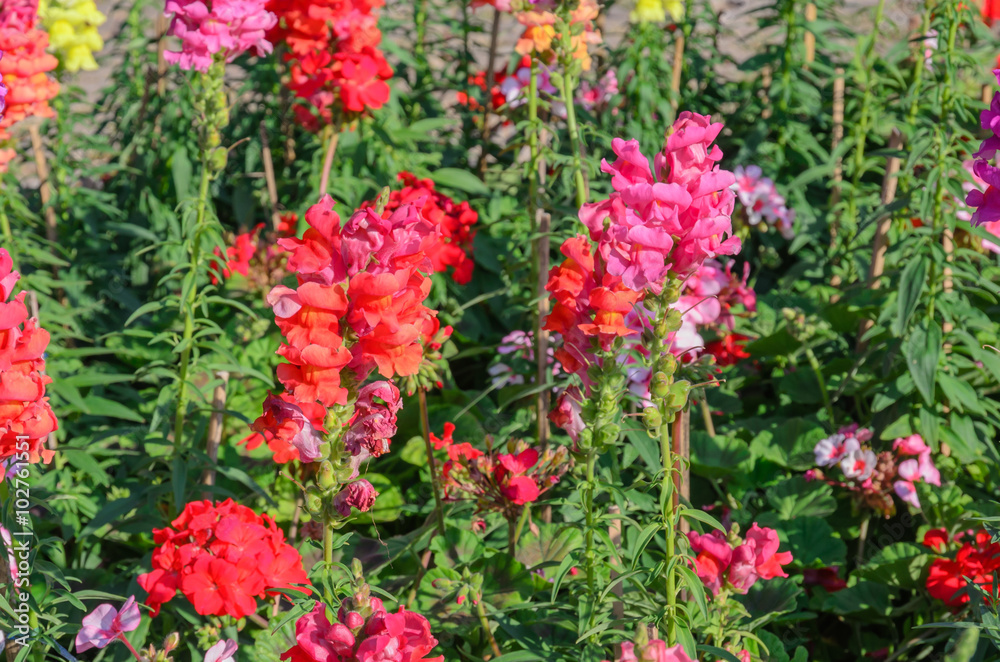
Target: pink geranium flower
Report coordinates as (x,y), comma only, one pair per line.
(106,624)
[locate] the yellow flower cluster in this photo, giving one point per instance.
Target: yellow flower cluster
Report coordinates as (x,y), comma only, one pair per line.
(655,11)
(72,27)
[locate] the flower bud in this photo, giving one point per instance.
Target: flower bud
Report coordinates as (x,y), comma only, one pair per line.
(678,394)
(659,385)
(172,641)
(326,477)
(651,418)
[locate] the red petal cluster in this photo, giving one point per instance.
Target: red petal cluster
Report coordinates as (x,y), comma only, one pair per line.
(729,350)
(590,303)
(359,305)
(454,222)
(333,55)
(498,481)
(371,634)
(25,416)
(287,427)
(222,557)
(237,256)
(737,565)
(24,68)
(977,560)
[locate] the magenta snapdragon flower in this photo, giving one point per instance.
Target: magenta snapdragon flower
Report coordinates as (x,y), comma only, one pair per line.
(987,202)
(230,27)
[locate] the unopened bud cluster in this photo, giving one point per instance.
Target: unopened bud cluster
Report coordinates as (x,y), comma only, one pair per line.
(470,585)
(669,396)
(212,115)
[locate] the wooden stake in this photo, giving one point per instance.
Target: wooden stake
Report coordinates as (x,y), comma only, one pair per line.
(162,25)
(836,135)
(215,430)
(272,185)
(810,37)
(615,533)
(542,373)
(678,67)
(45,189)
(490,79)
(765,81)
(681,440)
(880,242)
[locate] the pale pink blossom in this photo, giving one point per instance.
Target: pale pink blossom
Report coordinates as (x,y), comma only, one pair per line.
(223,651)
(831,450)
(858,464)
(912,445)
(106,624)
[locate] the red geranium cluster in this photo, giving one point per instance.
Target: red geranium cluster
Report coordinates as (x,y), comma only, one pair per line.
(255,256)
(363,632)
(25,416)
(502,482)
(977,560)
(222,557)
(453,221)
(733,564)
(237,256)
(477,81)
(24,68)
(333,55)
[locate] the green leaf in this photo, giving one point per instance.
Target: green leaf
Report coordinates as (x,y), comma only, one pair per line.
(796,497)
(814,543)
(900,564)
(910,285)
(922,350)
(461,180)
(716,457)
(98,406)
(864,596)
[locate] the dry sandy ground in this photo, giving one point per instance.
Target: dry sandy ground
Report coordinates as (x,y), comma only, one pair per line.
(738,17)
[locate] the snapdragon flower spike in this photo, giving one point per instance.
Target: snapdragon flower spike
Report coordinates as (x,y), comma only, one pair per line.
(210,28)
(25,414)
(363,632)
(651,651)
(987,202)
(359,306)
(732,564)
(334,61)
(106,624)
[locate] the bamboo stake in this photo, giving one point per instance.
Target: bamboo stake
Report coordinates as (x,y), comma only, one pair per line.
(675,73)
(542,226)
(272,184)
(615,533)
(331,150)
(162,25)
(681,440)
(810,37)
(880,242)
(214,436)
(45,189)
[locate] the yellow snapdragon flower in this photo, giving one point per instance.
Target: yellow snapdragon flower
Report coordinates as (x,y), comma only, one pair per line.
(655,11)
(72,27)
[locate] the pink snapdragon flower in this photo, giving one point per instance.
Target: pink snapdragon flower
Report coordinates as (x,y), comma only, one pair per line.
(672,222)
(106,624)
(3,92)
(987,202)
(207,28)
(737,565)
(598,94)
(359,494)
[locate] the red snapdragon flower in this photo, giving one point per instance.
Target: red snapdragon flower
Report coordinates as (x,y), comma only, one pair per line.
(26,419)
(222,557)
(735,565)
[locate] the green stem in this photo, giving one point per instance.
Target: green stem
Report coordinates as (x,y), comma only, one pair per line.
(431,463)
(590,556)
(485,623)
(520,527)
(327,541)
(188,310)
(5,223)
(918,70)
(818,371)
(568,89)
(667,499)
